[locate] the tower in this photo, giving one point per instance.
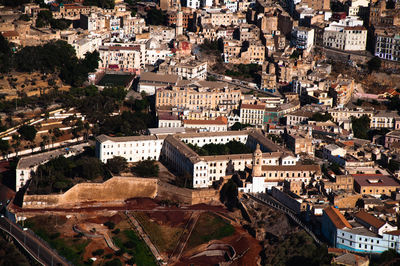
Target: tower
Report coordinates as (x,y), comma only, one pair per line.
(257,162)
(179,22)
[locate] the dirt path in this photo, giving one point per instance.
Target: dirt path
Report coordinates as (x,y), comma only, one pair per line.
(138,228)
(180,247)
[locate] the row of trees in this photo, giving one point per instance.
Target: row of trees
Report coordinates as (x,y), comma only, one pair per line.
(232,147)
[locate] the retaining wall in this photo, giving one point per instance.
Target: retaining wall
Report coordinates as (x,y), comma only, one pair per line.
(119,189)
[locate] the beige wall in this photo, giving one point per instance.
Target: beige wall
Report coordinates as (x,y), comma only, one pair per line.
(119,189)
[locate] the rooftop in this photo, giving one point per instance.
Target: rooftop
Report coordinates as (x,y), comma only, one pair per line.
(372,180)
(337,218)
(369,219)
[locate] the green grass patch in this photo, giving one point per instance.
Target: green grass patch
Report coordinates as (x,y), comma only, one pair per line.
(164,237)
(129,242)
(70,248)
(209,227)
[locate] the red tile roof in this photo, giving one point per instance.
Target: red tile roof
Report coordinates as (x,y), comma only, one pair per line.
(337,218)
(369,219)
(253,106)
(219,121)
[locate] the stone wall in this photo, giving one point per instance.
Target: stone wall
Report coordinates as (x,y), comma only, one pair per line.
(114,189)
(118,189)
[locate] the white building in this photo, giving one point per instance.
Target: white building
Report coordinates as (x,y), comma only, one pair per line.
(385,119)
(173,150)
(303,38)
(120,58)
(86,44)
(332,151)
(347,34)
(252,114)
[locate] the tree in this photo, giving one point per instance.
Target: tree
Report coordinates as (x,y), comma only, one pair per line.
(9,254)
(321,117)
(4,145)
(100,3)
(146,168)
(374,64)
(27,132)
(5,55)
(155,16)
(117,164)
(360,126)
(239,126)
(228,194)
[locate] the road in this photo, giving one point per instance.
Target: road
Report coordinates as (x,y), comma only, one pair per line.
(34,246)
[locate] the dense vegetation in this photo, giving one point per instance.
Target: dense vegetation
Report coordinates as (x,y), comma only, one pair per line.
(146,168)
(249,71)
(130,243)
(229,195)
(60,174)
(232,147)
(51,57)
(321,117)
(156,16)
(239,126)
(117,164)
(360,126)
(297,249)
(45,18)
(100,3)
(9,254)
(72,248)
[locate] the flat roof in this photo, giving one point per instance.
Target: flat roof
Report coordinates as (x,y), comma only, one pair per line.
(30,161)
(373,180)
(155,77)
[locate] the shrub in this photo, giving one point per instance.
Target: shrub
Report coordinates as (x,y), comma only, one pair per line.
(98,252)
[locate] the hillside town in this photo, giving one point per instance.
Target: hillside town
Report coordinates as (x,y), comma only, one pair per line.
(200,132)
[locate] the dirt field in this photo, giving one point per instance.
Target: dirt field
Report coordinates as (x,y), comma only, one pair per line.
(160,221)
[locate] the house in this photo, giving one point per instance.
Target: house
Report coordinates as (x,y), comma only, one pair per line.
(373,223)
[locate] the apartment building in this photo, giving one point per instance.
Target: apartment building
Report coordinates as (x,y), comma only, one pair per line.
(346,38)
(252,114)
(120,58)
(343,114)
(199,95)
(387,43)
(187,68)
(346,34)
(303,38)
(342,90)
(385,119)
